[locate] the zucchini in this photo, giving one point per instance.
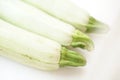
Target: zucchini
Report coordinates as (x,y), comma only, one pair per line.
(34,50)
(68,12)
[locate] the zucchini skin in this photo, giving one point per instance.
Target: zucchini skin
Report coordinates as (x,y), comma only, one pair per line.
(64,10)
(29,47)
(27,61)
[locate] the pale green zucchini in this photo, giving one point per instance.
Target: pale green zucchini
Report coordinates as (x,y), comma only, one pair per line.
(30,18)
(34,50)
(68,12)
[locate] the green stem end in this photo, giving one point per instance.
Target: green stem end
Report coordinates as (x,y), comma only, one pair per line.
(82,40)
(96,26)
(71,58)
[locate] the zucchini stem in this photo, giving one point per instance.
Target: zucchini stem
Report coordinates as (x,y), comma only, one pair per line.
(82,40)
(71,58)
(96,26)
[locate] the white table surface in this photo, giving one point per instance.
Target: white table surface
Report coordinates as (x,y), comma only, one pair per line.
(103,62)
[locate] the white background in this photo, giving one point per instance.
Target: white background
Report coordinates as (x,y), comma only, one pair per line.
(103,62)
